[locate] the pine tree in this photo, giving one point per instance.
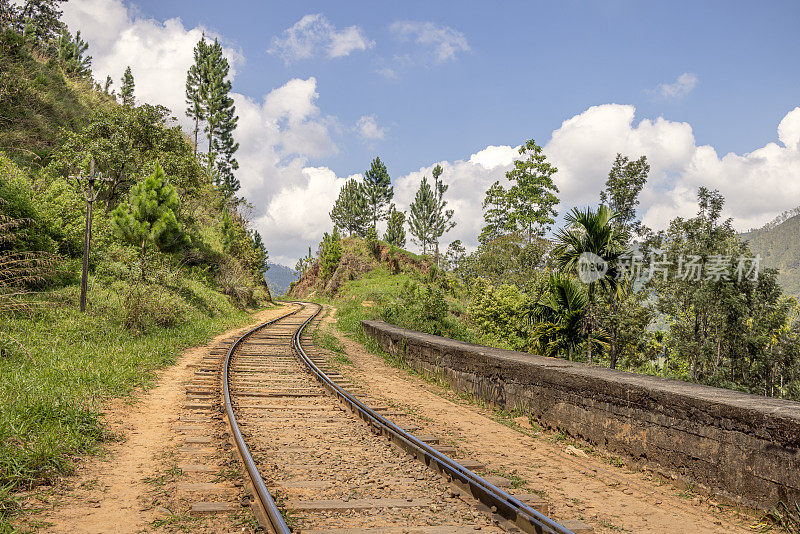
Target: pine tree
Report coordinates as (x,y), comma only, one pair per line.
(378,189)
(148,217)
(423,214)
(107,86)
(261,264)
(127,88)
(72,55)
(226,146)
(395,230)
(40,20)
(196,82)
(443,219)
(220,116)
(351,210)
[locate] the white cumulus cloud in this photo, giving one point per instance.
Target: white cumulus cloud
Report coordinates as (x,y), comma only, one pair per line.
(155,50)
(278,133)
(757,185)
(367,127)
(443,42)
(679,88)
(314,35)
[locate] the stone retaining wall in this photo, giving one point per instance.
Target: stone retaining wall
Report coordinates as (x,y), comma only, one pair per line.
(743,446)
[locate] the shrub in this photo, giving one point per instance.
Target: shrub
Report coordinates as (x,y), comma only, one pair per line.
(331,253)
(497,312)
(147,305)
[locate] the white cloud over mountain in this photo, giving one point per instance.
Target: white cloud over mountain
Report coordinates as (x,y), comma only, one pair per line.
(284,130)
(314,35)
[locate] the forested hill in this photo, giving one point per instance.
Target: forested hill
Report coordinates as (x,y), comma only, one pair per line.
(279,278)
(779,247)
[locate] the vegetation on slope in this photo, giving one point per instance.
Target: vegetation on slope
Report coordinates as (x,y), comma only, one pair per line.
(172,260)
(779,248)
(689,302)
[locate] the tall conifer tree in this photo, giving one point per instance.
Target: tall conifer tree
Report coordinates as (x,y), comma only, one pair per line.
(209,101)
(195,81)
(128,85)
(423,214)
(351,211)
(378,189)
(443,218)
(395,230)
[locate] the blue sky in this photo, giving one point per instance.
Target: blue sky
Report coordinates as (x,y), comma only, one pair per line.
(530,65)
(463,83)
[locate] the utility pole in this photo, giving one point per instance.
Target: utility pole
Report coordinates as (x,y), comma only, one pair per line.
(91,195)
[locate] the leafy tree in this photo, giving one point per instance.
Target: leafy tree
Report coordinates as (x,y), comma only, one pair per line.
(496,214)
(423,215)
(497,311)
(378,190)
(510,259)
(443,218)
(395,230)
(351,210)
(126,142)
(455,255)
(527,206)
(725,328)
(148,217)
(532,196)
(72,55)
(588,239)
(625,181)
(127,87)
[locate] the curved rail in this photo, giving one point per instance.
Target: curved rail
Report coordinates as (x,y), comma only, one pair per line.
(262,493)
(509,507)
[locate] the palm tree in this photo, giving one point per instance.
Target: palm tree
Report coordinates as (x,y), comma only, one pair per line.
(589,244)
(558,315)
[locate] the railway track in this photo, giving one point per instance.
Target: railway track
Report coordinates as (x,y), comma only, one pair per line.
(295,424)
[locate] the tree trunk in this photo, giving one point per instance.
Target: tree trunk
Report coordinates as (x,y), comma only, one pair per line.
(196,128)
(141,259)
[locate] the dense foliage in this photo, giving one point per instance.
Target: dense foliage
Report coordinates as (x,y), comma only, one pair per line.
(603,288)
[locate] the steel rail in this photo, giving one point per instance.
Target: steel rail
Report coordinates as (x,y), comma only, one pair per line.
(507,506)
(262,493)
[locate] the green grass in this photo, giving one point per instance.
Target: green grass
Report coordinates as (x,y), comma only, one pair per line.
(54,396)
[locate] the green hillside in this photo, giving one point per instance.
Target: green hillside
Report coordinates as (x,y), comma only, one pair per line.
(172,262)
(779,248)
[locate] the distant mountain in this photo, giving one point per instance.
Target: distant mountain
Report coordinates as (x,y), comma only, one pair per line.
(278,279)
(778,244)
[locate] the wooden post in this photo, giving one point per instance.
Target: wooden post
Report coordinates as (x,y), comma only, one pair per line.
(90,196)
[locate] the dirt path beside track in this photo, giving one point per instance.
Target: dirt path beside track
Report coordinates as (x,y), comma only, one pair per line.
(611,498)
(115,492)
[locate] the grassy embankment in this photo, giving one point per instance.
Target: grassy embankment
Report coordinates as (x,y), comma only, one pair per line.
(72,364)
